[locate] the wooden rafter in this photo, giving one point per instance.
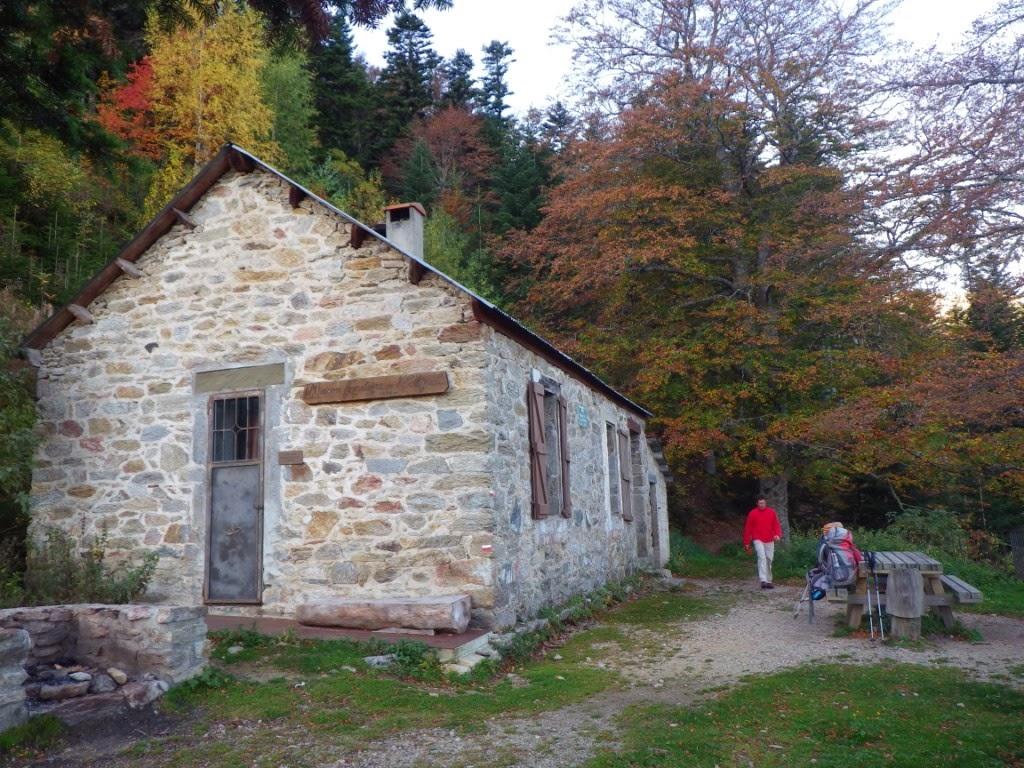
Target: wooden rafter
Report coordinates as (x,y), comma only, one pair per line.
(184,218)
(80,313)
(128,268)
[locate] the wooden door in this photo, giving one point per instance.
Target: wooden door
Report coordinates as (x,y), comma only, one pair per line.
(235,481)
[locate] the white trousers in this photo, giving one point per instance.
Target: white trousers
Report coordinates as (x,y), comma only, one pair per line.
(765,552)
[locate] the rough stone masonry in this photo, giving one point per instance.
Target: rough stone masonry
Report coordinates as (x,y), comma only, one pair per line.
(404,497)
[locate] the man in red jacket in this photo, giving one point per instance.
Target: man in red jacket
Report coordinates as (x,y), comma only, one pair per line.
(763,530)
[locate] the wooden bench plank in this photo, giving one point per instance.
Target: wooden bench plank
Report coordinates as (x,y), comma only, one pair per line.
(962,591)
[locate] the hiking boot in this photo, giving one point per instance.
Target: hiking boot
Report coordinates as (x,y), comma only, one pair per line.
(764,585)
(769,585)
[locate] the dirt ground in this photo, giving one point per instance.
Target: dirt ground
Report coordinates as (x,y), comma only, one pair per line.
(691,661)
(678,664)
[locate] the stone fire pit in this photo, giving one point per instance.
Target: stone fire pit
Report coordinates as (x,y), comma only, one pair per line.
(87,662)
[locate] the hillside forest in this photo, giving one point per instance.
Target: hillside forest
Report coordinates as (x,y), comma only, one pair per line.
(794,240)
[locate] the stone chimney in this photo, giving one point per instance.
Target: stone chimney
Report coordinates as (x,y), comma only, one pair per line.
(403,226)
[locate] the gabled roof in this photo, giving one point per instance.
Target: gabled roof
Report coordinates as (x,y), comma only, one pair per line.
(231,157)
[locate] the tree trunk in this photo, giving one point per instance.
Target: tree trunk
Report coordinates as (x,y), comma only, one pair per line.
(775,491)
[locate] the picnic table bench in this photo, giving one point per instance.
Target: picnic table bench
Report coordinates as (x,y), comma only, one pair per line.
(937,591)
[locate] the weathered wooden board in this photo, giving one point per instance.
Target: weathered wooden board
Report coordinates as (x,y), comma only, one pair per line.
(376,388)
(963,591)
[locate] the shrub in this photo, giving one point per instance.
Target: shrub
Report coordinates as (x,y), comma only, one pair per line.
(58,571)
(939,529)
(415,660)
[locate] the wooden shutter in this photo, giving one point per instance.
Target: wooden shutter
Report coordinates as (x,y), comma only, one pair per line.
(563,435)
(538,451)
(626,470)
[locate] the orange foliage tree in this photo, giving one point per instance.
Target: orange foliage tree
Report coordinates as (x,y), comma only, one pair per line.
(719,285)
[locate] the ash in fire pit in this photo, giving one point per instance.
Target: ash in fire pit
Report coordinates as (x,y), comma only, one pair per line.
(78,692)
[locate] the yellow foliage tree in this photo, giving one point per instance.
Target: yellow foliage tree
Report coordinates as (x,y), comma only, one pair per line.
(206,91)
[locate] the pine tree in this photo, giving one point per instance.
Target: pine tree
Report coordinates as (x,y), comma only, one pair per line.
(459,85)
(519,185)
(344,97)
(559,127)
(288,91)
(406,84)
(494,88)
(419,175)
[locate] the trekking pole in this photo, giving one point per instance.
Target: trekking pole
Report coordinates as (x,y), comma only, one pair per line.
(878,597)
(871,616)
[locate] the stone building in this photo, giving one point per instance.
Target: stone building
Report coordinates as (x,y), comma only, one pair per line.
(289,405)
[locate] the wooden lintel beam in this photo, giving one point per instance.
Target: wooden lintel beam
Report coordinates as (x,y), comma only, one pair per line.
(239,162)
(296,196)
(80,313)
(416,272)
(184,218)
(129,268)
(376,388)
(357,237)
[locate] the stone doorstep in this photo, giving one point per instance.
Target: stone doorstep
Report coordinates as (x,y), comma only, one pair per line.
(462,651)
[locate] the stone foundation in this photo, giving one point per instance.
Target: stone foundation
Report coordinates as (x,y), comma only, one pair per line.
(166,642)
(14,648)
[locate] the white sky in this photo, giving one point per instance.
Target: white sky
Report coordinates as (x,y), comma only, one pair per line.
(540,71)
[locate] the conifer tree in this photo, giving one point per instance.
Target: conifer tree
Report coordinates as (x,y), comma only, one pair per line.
(406,84)
(344,97)
(459,85)
(288,92)
(494,87)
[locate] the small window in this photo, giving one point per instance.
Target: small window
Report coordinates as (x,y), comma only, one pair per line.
(614,492)
(235,429)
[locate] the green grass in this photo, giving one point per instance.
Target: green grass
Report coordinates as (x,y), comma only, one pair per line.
(834,716)
(327,693)
(659,609)
(35,735)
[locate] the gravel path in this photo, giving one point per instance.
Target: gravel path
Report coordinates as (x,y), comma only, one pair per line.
(688,662)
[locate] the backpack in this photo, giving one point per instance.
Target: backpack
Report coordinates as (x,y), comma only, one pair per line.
(838,557)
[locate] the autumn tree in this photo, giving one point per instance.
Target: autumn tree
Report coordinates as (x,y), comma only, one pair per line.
(950,198)
(207,90)
(724,289)
(445,159)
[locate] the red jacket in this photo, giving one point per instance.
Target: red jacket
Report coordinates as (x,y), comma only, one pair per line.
(762,524)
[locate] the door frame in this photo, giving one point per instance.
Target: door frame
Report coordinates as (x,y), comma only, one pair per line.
(210,466)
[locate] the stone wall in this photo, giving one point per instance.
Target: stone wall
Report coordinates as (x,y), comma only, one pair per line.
(543,562)
(14,646)
(393,497)
(167,642)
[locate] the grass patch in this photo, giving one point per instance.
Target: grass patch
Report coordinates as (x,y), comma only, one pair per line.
(833,716)
(31,737)
(659,609)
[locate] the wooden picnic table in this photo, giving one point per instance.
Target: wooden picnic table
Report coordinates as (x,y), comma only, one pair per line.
(939,592)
